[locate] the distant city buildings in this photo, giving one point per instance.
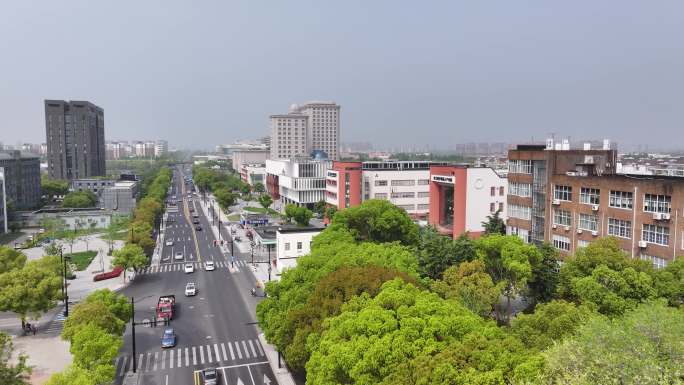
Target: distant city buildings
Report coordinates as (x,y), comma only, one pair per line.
(312,126)
(75,139)
(3,202)
(22,179)
(136,149)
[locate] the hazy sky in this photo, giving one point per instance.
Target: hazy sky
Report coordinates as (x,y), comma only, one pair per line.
(405,72)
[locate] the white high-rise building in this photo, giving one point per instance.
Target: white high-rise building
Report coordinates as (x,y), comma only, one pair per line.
(161,148)
(321,131)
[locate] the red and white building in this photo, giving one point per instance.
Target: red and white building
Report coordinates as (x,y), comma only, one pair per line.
(462,197)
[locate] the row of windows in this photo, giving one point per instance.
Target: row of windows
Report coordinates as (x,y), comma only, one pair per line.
(492,191)
(401,182)
(493,207)
(520,212)
(520,166)
(520,189)
(653,203)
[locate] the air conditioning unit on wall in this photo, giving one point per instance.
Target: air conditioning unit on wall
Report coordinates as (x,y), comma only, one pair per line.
(643,244)
(594,207)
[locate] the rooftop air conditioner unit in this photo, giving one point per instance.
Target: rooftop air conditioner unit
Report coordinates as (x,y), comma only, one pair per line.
(579,231)
(594,207)
(594,233)
(643,244)
(556,202)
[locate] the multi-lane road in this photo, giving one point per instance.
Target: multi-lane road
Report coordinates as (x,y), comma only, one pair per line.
(215,329)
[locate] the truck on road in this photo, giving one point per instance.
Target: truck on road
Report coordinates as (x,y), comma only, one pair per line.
(165,306)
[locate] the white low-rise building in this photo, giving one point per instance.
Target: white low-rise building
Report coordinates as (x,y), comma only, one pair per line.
(299,181)
(293,242)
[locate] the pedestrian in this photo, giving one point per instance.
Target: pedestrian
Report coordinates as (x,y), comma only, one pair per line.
(33,329)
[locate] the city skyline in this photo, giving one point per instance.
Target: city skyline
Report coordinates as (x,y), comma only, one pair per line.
(552,68)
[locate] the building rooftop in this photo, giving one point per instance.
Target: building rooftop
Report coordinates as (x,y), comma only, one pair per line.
(16,154)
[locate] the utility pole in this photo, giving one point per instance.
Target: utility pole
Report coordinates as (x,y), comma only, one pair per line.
(66,291)
(135,361)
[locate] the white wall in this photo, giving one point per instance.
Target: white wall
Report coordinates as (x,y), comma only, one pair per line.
(369,189)
(288,258)
(478,196)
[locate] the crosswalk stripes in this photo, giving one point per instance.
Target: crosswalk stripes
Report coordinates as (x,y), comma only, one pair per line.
(191,356)
(56,324)
(171,267)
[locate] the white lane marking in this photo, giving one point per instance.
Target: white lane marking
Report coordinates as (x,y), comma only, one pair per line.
(122,369)
(156,358)
(163,360)
(201,354)
(261,351)
(237,347)
(170,359)
(209,353)
(244,345)
(140,361)
(252,346)
(180,363)
(230,347)
(187,358)
(250,375)
(147,362)
(216,353)
(194,356)
(223,349)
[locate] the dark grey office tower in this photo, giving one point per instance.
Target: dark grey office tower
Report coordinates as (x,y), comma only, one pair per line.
(75,139)
(22,179)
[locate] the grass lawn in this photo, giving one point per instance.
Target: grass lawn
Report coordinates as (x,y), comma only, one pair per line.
(260,210)
(82,259)
(234,217)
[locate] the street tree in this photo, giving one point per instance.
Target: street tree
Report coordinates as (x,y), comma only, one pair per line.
(11,259)
(470,284)
(51,188)
(642,347)
(259,188)
(13,367)
(550,323)
(494,224)
(303,216)
(225,198)
(116,303)
(319,207)
(31,290)
(437,252)
(73,375)
(96,313)
(131,256)
(265,200)
(669,282)
(330,212)
(290,212)
(378,220)
(78,199)
(94,349)
(544,281)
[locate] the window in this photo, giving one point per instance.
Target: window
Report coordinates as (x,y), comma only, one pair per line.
(521,212)
(501,206)
(381,183)
(589,196)
(501,191)
(619,228)
(380,195)
(561,243)
(407,207)
(423,182)
(657,203)
(492,206)
(563,193)
(287,246)
(658,263)
(562,218)
(423,207)
(621,199)
(423,194)
(523,234)
(405,182)
(404,194)
(582,243)
(520,189)
(588,222)
(659,235)
(520,166)
(492,191)
(299,246)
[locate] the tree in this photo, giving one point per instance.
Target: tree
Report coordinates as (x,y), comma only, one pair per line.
(437,252)
(330,212)
(225,198)
(290,212)
(510,261)
(11,259)
(303,216)
(550,323)
(643,347)
(31,290)
(378,220)
(471,285)
(265,200)
(259,188)
(130,256)
(319,207)
(494,224)
(13,369)
(94,349)
(79,199)
(73,375)
(96,313)
(669,282)
(542,285)
(53,187)
(116,303)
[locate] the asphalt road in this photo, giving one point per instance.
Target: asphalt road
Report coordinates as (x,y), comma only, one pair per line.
(215,329)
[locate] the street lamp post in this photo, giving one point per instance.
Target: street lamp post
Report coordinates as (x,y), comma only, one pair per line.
(66,290)
(61,260)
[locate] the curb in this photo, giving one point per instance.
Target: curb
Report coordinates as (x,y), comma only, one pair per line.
(283,376)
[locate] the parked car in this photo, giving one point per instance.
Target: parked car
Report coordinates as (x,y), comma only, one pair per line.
(210,376)
(190,289)
(169,243)
(189,268)
(168,338)
(209,266)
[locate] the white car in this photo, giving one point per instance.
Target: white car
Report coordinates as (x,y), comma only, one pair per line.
(209,266)
(178,256)
(169,243)
(189,268)
(190,289)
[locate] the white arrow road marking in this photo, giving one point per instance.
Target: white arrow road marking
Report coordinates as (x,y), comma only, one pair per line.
(267,380)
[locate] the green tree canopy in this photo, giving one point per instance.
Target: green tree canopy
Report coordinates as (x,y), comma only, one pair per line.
(11,259)
(319,207)
(116,303)
(302,216)
(470,284)
(131,256)
(265,200)
(378,220)
(551,322)
(225,198)
(13,368)
(437,252)
(94,349)
(669,282)
(53,187)
(96,313)
(543,283)
(31,290)
(79,199)
(259,188)
(74,375)
(644,347)
(494,224)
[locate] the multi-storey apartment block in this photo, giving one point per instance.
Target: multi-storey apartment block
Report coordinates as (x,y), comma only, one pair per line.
(569,198)
(306,128)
